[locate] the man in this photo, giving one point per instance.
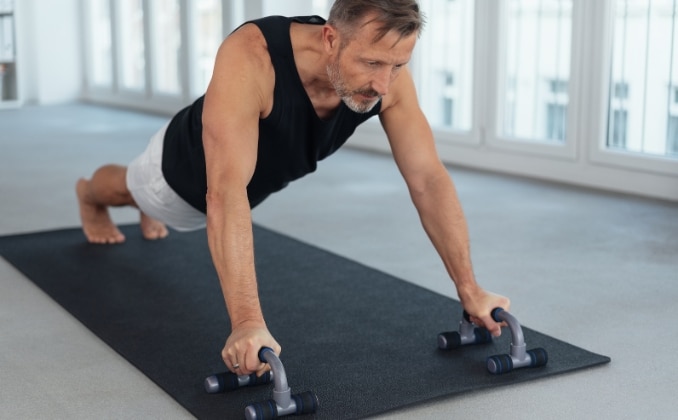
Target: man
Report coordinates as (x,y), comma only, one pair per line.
(286,93)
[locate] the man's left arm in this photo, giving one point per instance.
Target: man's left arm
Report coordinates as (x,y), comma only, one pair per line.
(435,197)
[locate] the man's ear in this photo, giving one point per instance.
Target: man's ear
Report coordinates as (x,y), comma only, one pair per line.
(330,39)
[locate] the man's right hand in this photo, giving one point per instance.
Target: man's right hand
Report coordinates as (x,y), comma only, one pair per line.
(241,352)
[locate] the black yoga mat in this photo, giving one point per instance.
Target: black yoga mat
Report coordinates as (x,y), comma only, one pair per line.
(363,340)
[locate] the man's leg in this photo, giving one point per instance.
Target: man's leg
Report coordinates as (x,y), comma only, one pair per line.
(108,187)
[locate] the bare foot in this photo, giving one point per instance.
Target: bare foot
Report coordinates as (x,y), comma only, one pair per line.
(96,222)
(152,229)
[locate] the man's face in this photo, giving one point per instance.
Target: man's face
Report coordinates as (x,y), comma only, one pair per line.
(362,71)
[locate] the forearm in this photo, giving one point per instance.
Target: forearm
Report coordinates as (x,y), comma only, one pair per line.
(229,231)
(443,220)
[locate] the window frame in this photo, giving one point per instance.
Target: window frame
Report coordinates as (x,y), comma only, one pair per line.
(568,149)
(601,23)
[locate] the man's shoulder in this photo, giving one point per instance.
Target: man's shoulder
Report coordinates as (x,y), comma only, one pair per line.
(247,46)
(248,35)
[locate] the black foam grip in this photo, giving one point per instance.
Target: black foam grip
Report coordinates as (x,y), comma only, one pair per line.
(496,312)
(263,351)
(482,335)
(228,381)
(260,380)
(306,402)
(538,356)
(265,410)
(449,340)
(466,316)
(502,362)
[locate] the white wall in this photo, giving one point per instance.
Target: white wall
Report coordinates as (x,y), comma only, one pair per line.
(48,51)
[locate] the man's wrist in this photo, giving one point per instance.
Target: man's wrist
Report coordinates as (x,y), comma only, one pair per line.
(468,290)
(254,322)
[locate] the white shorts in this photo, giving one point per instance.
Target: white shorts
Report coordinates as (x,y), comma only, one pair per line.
(152,193)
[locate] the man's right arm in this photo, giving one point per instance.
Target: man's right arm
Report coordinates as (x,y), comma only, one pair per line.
(238,95)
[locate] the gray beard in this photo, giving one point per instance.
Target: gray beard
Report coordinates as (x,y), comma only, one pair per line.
(346,96)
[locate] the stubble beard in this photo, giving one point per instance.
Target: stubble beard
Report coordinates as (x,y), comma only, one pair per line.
(346,95)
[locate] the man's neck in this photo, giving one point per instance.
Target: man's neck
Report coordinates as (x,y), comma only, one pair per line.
(311,62)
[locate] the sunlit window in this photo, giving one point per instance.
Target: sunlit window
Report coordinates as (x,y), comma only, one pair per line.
(100,45)
(446,77)
(643,107)
(209,36)
(536,70)
(166,46)
(132,46)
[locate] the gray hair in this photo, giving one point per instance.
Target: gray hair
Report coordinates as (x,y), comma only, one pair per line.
(402,16)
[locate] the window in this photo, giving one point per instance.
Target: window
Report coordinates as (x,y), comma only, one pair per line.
(617,139)
(448,98)
(445,76)
(208,39)
(621,91)
(644,63)
(132,46)
(535,72)
(556,111)
(672,129)
(556,117)
(672,136)
(540,88)
(100,45)
(151,54)
(166,42)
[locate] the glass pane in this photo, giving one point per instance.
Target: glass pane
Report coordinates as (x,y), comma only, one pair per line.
(446,79)
(166,46)
(643,102)
(101,50)
(534,89)
(208,38)
(131,29)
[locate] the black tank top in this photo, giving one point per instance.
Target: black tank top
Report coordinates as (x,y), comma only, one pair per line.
(292,139)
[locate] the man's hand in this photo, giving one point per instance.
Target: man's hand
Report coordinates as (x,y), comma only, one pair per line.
(241,352)
(479,306)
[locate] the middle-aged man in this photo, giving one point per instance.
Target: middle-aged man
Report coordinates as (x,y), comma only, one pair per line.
(285,93)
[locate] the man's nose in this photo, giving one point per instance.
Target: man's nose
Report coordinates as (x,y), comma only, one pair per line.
(382,81)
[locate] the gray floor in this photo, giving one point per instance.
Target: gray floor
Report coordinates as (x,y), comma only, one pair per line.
(595,269)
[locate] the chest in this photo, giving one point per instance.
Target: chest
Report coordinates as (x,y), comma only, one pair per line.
(324,105)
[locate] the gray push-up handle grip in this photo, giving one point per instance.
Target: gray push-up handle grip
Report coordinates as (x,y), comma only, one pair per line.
(468,334)
(283,402)
(519,357)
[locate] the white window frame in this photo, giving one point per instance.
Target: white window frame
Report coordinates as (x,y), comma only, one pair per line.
(602,14)
(497,49)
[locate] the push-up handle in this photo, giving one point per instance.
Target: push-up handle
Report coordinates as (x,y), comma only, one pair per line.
(283,402)
(519,357)
(468,334)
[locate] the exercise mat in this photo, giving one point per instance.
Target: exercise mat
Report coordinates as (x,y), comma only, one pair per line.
(364,341)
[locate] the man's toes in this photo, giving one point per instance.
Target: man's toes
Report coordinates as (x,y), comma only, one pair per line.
(155,232)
